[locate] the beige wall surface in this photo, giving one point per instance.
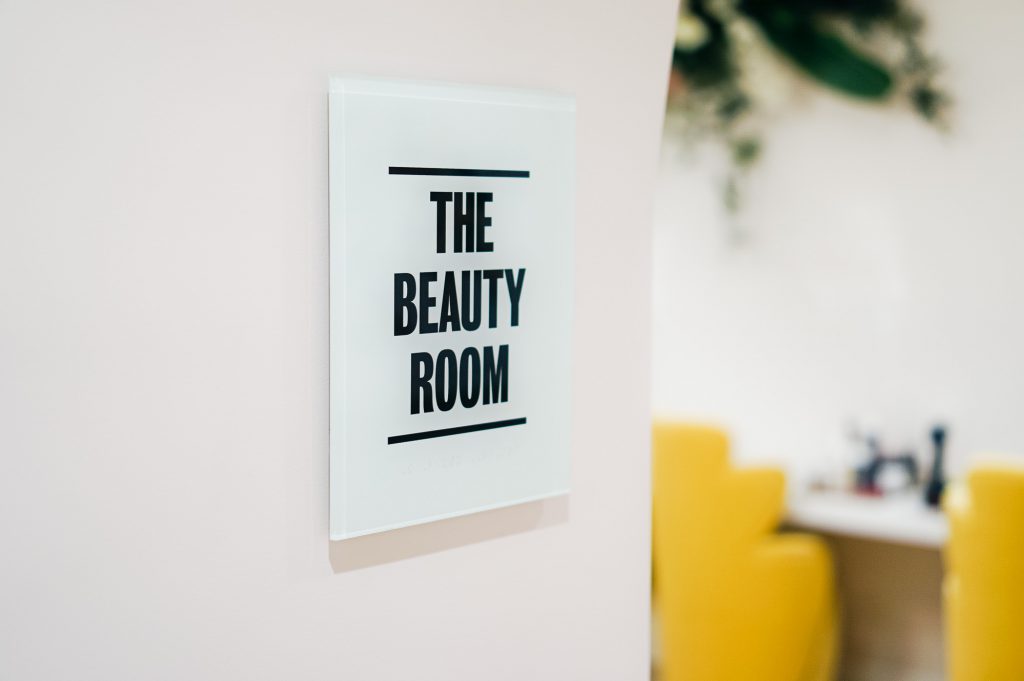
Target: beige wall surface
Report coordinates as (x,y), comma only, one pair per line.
(163,351)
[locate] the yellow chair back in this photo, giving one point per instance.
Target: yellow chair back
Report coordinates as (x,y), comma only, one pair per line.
(736,603)
(984,587)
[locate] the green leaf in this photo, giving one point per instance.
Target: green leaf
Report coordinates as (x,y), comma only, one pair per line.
(745,151)
(823,55)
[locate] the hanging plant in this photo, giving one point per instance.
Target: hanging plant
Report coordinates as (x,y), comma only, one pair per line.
(734,58)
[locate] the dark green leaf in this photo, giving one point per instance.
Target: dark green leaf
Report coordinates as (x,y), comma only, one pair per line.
(823,55)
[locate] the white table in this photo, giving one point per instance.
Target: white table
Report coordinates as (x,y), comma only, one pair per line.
(900,519)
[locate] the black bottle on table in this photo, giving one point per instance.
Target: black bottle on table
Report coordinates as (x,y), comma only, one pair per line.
(937,480)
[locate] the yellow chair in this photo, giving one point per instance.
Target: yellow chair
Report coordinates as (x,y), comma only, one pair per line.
(736,603)
(984,589)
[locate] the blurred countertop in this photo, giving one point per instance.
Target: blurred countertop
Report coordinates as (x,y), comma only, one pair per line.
(899,518)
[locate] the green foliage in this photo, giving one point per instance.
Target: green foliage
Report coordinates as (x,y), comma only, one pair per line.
(867,49)
(711,63)
(823,55)
(745,151)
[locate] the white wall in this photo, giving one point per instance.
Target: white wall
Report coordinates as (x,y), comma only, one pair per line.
(163,351)
(882,277)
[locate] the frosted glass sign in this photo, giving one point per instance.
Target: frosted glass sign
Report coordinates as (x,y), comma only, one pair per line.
(451,300)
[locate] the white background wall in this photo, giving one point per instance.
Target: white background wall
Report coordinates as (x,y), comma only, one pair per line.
(163,351)
(882,276)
